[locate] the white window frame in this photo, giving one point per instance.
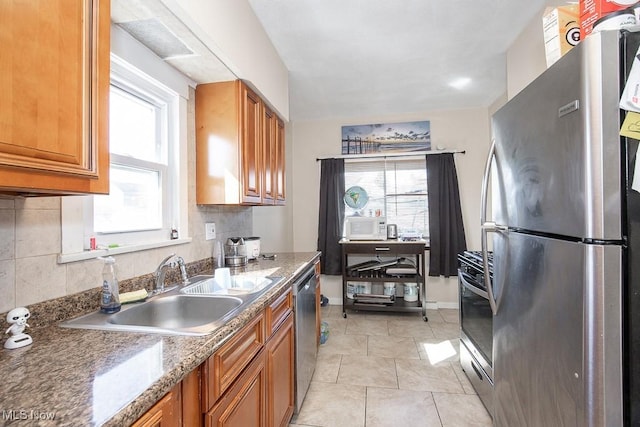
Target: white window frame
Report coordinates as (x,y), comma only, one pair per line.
(389,195)
(132,81)
(135,63)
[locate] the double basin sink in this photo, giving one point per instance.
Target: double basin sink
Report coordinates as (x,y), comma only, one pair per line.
(195,309)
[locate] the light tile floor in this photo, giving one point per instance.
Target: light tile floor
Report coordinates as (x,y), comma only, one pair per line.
(390,369)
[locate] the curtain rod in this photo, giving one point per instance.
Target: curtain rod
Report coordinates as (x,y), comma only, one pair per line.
(384,156)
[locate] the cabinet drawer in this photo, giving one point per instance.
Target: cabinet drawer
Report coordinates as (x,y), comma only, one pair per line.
(224,366)
(277,312)
(383,248)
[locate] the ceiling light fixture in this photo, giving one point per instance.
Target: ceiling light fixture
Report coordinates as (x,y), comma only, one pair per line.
(460,83)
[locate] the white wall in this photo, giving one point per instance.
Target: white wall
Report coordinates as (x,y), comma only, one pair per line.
(234,34)
(461,130)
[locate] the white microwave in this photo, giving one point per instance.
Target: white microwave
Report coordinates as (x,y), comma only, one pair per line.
(365,228)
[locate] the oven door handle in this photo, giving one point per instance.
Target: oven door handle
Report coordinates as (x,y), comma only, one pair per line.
(468,285)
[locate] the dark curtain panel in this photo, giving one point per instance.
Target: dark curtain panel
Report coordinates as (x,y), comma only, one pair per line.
(331,215)
(446,230)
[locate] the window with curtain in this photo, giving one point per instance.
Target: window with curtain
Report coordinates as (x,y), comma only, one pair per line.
(397,188)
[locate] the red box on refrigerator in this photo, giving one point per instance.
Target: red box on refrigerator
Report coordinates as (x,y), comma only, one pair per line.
(592,10)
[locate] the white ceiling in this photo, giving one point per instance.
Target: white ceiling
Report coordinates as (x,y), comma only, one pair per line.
(361,58)
(350,58)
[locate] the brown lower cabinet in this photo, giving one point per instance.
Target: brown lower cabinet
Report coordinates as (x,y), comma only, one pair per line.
(244,404)
(252,385)
(167,412)
(280,375)
(248,381)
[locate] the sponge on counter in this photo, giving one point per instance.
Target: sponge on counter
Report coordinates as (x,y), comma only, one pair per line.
(135,296)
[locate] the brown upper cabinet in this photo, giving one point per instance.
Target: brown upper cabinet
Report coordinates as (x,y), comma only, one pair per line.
(237,147)
(54,79)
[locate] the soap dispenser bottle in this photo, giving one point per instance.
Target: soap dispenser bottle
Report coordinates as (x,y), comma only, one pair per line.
(110,297)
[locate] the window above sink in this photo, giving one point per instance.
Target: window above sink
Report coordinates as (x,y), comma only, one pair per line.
(148,163)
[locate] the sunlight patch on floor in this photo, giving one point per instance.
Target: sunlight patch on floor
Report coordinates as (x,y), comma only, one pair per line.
(439,352)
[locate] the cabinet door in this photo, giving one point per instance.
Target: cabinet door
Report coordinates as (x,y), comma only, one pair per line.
(54,79)
(280,375)
(269,155)
(191,396)
(218,148)
(166,413)
(244,404)
(251,147)
(280,163)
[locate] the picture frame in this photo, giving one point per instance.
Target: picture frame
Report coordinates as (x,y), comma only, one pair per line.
(383,138)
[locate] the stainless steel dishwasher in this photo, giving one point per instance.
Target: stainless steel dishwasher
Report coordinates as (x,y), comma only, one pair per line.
(304,306)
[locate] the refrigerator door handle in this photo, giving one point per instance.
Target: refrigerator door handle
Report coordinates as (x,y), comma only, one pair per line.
(492,227)
(488,226)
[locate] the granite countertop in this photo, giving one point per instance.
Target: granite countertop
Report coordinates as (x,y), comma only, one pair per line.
(71,377)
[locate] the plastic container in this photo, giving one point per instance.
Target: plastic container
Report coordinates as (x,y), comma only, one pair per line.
(411,292)
(364,288)
(324,332)
(389,289)
(358,288)
(110,296)
(218,254)
(352,288)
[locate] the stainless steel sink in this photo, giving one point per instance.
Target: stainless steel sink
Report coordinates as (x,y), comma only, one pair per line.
(177,312)
(198,311)
(240,285)
(172,314)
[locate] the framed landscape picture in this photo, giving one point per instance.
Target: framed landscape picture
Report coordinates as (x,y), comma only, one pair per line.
(386,138)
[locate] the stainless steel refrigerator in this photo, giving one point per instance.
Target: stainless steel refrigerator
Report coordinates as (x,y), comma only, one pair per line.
(565,231)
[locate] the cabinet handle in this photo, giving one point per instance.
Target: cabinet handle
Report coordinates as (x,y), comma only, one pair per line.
(383,249)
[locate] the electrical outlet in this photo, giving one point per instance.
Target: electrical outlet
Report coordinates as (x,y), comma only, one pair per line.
(210,230)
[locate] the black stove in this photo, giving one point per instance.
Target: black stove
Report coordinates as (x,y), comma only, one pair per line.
(474,258)
(471,262)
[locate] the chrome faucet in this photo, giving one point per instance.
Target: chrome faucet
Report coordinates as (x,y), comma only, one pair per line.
(161,272)
(183,270)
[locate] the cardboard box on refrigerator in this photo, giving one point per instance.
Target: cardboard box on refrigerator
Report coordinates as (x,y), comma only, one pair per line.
(561,26)
(593,10)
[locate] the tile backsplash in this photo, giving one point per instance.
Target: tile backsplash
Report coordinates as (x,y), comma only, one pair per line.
(30,242)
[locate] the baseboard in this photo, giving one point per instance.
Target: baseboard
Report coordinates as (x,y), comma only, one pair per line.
(335,301)
(447,305)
